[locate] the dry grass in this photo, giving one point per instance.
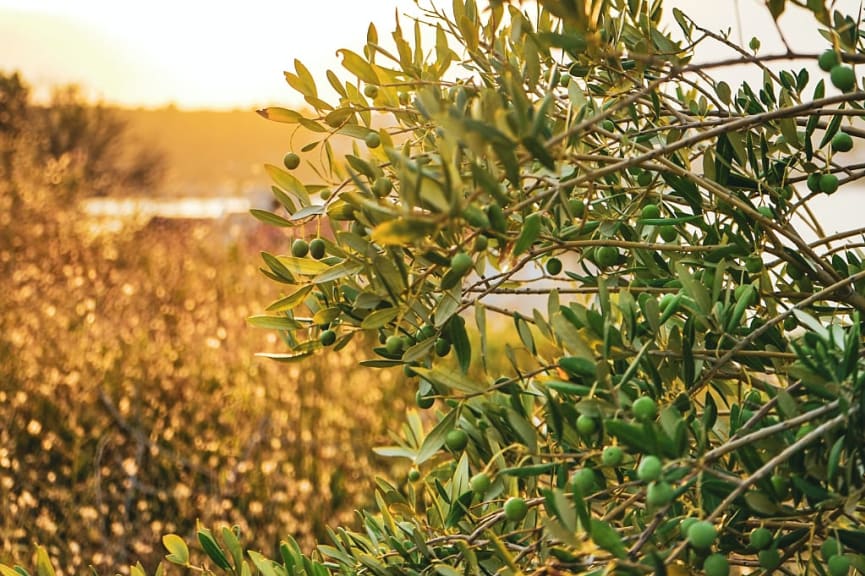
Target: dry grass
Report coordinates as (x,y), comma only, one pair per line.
(132,403)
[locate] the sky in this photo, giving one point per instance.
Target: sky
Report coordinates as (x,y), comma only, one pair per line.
(232,54)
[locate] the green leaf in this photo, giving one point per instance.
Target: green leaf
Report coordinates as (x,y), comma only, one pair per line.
(291,301)
(358,66)
(273,322)
(693,288)
(43,563)
(262,563)
(288,183)
(450,379)
(607,538)
(303,266)
(229,538)
(338,271)
(445,570)
(831,130)
(835,458)
(380,318)
(326,315)
(776,7)
(529,470)
(634,436)
(402,231)
(395,452)
(761,504)
(578,367)
(279,270)
(436,438)
(529,233)
(270,218)
(525,333)
(460,340)
(569,388)
(280,115)
(212,549)
(178,552)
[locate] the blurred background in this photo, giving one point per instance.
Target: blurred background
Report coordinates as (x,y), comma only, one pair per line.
(131,402)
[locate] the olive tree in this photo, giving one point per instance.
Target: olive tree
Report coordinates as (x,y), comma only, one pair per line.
(689,395)
(684,392)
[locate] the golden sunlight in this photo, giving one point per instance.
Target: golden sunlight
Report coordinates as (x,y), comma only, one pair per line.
(222,55)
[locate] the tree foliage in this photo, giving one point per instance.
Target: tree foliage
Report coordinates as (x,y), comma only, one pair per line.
(689,395)
(694,375)
(88,142)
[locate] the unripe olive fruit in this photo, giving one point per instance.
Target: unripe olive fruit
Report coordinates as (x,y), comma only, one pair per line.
(612,456)
(644,408)
(291,160)
(480,483)
(373,140)
(830,548)
(607,256)
(393,344)
(515,509)
(769,558)
(425,331)
(317,248)
(644,178)
(382,187)
(327,338)
(843,77)
(423,402)
(659,494)
(414,475)
(461,263)
(651,211)
(828,60)
(686,524)
(650,468)
(839,565)
(828,183)
(586,425)
(370,91)
(608,125)
(299,248)
(554,266)
(443,347)
(577,207)
(754,264)
(760,538)
(456,440)
(842,142)
(583,479)
(716,565)
(668,232)
(702,534)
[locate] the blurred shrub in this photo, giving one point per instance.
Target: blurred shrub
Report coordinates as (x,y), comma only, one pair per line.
(131,400)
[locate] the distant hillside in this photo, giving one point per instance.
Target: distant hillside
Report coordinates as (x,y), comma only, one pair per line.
(213,152)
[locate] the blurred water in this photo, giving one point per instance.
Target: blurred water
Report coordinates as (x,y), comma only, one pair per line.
(148,208)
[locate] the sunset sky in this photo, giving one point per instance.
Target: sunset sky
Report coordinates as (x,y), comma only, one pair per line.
(231,54)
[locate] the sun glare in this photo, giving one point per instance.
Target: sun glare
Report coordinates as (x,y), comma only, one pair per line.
(218,55)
